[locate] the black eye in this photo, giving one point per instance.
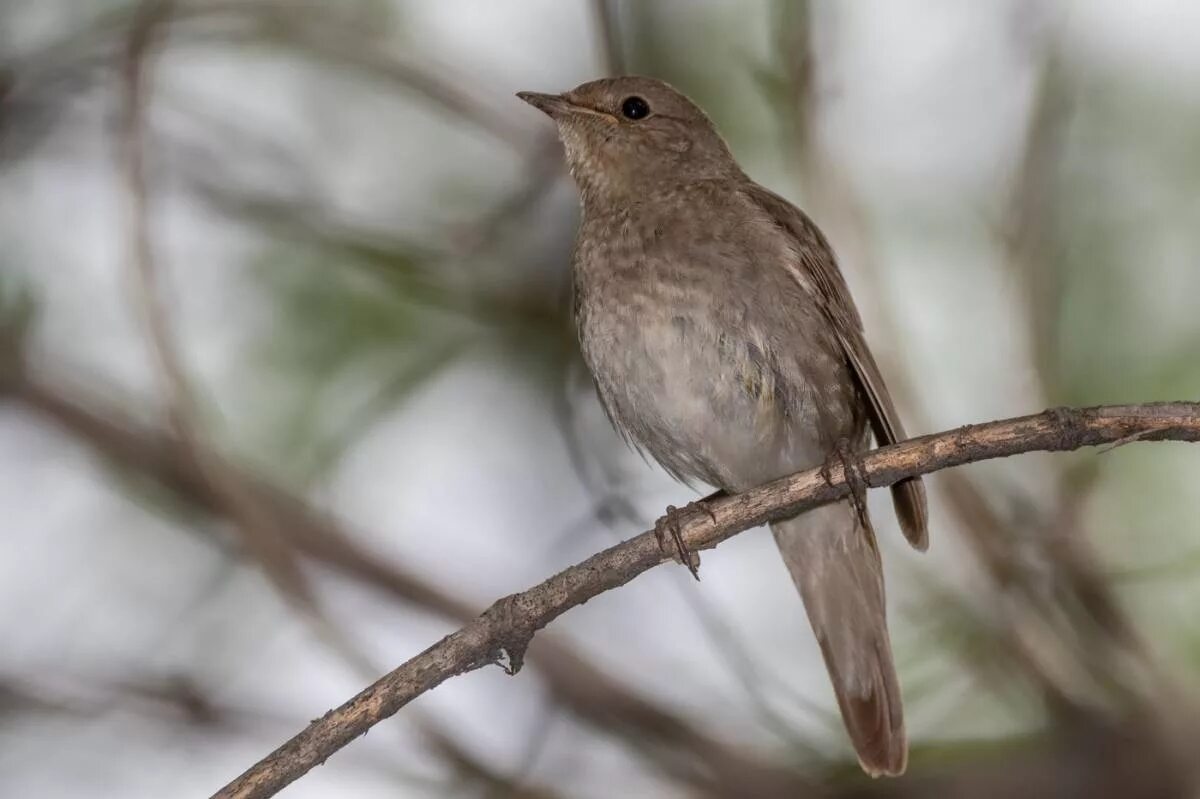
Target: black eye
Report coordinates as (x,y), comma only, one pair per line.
(634,108)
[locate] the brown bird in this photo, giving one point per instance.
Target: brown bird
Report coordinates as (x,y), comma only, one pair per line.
(724,342)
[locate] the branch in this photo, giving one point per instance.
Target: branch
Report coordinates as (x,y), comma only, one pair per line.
(507,627)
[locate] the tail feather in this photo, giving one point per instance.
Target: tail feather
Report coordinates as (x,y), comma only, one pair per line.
(912,512)
(835,565)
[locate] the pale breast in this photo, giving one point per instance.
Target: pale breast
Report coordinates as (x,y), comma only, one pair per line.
(705,353)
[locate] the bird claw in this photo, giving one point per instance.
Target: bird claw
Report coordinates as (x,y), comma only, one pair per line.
(671,524)
(854,477)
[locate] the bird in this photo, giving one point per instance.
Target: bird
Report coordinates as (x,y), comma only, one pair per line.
(724,343)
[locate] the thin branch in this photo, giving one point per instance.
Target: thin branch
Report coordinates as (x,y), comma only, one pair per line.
(505,629)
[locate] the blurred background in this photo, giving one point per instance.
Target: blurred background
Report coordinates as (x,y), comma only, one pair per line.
(288,390)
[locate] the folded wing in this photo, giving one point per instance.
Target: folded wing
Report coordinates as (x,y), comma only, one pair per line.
(830,291)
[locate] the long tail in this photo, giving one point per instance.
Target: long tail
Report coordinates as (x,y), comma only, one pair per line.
(834,562)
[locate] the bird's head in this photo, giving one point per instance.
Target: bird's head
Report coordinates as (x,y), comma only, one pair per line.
(625,137)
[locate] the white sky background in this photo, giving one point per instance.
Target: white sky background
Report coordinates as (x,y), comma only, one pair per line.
(923,106)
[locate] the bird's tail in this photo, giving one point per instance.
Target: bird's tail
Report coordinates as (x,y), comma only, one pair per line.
(833,559)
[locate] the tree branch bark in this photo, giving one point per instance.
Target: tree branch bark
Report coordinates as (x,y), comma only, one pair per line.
(502,632)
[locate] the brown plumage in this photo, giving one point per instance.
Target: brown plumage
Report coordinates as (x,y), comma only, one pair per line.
(724,343)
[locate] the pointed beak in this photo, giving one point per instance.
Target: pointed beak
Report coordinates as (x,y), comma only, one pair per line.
(551,104)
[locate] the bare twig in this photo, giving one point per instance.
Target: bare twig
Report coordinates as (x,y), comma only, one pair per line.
(505,629)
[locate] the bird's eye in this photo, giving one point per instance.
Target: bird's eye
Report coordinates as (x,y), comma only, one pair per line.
(635,108)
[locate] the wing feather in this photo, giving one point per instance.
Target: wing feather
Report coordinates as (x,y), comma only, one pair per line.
(831,292)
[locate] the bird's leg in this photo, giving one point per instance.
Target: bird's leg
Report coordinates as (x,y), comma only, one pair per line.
(671,524)
(668,524)
(854,477)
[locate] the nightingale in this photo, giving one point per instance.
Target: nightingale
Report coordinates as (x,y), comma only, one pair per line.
(724,343)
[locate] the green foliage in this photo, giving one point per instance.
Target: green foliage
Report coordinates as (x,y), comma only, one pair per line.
(352,321)
(1124,325)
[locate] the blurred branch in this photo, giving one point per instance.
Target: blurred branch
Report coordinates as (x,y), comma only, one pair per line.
(257,529)
(663,739)
(17,312)
(474,771)
(1061,621)
(1030,244)
(315,27)
(540,170)
(135,68)
(1033,213)
(1100,631)
(322,35)
(608,30)
(1126,759)
(795,43)
(410,269)
(503,632)
(170,698)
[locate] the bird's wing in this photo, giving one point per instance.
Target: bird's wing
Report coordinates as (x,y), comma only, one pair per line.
(828,288)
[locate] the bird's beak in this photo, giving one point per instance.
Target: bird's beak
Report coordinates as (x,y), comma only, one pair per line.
(551,104)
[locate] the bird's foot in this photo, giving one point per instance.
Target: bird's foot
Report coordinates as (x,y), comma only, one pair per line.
(671,525)
(855,479)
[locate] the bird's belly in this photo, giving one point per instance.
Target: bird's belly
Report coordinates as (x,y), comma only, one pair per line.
(702,398)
